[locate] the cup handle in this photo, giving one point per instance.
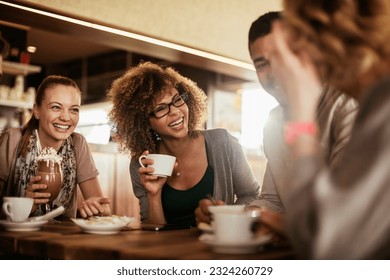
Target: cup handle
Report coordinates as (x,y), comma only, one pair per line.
(140,160)
(255,225)
(6,206)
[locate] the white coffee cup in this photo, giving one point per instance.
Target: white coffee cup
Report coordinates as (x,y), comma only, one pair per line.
(17,209)
(163,164)
(227,209)
(232,224)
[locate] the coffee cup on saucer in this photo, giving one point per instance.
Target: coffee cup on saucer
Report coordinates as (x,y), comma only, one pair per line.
(233,224)
(162,164)
(17,209)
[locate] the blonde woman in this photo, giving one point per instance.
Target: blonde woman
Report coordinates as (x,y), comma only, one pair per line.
(55,117)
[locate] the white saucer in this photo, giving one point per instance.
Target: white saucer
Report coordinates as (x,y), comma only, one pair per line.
(105,225)
(22,226)
(249,247)
(206,228)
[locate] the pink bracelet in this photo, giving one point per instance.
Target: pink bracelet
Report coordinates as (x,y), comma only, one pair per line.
(294,129)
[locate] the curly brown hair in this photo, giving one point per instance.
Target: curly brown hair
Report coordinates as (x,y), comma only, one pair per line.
(132,97)
(348,40)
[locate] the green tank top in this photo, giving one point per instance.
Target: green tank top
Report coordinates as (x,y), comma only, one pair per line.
(179,206)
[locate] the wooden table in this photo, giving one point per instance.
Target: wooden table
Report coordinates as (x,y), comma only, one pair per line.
(64,240)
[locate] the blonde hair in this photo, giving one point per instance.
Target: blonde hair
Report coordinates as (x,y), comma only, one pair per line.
(349,40)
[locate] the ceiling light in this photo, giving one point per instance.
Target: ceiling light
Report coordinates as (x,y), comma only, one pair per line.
(132,35)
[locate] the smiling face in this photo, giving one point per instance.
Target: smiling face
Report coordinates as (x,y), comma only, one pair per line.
(258,50)
(58,115)
(175,123)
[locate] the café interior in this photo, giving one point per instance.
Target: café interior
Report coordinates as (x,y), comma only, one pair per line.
(94,42)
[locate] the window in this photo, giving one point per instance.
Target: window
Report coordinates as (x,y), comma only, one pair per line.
(256,105)
(244,113)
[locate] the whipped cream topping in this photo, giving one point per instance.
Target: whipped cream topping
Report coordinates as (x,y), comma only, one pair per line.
(49,153)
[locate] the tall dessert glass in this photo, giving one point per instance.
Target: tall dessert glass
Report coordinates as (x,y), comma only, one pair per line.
(49,168)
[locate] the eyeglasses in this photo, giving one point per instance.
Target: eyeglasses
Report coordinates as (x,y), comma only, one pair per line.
(164,109)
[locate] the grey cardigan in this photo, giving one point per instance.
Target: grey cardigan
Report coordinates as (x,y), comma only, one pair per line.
(234,181)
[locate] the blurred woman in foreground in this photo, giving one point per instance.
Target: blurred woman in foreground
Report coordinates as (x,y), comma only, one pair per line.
(340,214)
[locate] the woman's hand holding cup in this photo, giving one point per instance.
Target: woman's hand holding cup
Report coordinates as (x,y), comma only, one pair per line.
(33,189)
(162,164)
(151,181)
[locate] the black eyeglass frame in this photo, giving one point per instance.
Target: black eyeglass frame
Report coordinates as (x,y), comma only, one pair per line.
(183,96)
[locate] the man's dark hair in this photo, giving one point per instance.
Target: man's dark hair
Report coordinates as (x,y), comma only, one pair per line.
(4,47)
(262,26)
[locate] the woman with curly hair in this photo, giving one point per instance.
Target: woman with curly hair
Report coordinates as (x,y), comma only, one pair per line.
(157,110)
(337,214)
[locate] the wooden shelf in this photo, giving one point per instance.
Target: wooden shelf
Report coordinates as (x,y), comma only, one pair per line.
(16,104)
(16,68)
